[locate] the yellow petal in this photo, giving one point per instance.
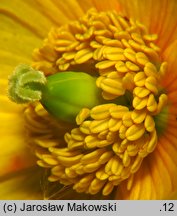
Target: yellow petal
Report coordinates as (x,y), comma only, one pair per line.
(24,24)
(21,185)
(14,152)
(106,5)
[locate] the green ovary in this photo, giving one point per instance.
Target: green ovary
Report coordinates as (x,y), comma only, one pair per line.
(66,93)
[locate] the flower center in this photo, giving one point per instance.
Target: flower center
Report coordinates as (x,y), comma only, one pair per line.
(110,141)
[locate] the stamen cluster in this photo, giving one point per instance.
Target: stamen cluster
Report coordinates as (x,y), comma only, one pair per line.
(111,140)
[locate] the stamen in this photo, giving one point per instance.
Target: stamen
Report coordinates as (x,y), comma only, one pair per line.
(114,135)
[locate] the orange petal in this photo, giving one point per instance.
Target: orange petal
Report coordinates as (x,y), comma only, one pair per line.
(159,17)
(170,79)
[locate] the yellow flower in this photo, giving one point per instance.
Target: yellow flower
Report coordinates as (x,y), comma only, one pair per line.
(124,148)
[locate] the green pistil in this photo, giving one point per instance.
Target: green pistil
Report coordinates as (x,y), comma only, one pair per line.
(161,120)
(63,94)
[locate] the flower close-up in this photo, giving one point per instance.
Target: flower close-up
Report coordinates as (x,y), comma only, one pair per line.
(88,105)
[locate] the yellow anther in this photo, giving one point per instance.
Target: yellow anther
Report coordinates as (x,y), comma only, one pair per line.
(136,46)
(122,132)
(163,99)
(152,143)
(127,120)
(58,170)
(92,156)
(98,53)
(96,185)
(137,37)
(139,103)
(100,174)
(101,112)
(150,37)
(163,69)
(95,44)
(125,173)
(126,159)
(73,144)
(136,164)
(69,55)
(125,43)
(91,167)
(53,178)
(115,75)
(102,135)
(135,132)
(114,124)
(138,116)
(105,157)
(86,180)
(107,188)
(132,149)
(150,70)
(83,114)
(130,54)
(141,92)
(77,135)
(105,64)
(130,182)
(151,84)
(108,166)
(99,80)
(115,165)
(151,103)
(113,53)
(155,47)
(124,143)
(83,56)
(70,173)
(78,168)
(63,152)
(128,81)
(98,126)
(118,111)
(151,53)
(111,136)
(118,173)
(131,66)
(49,159)
(115,147)
(149,123)
(104,143)
(112,86)
(91,141)
(122,35)
(141,58)
(85,127)
(69,161)
(41,163)
(121,67)
(140,79)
